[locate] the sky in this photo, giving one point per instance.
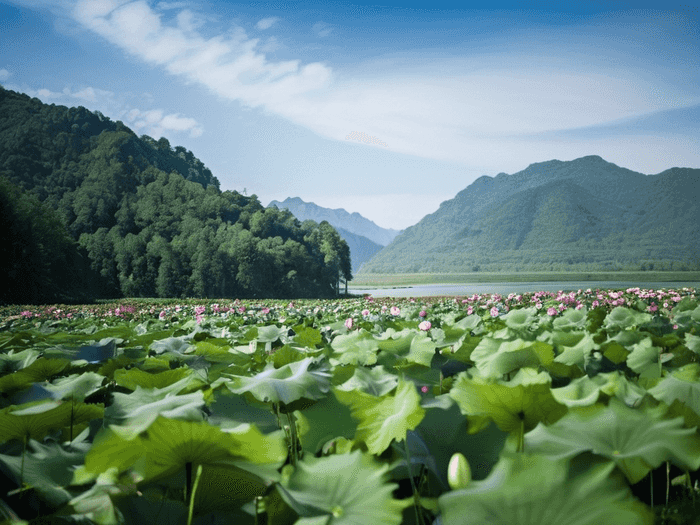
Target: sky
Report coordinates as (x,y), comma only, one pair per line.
(383,108)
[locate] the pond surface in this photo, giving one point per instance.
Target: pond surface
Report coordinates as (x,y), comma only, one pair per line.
(465,289)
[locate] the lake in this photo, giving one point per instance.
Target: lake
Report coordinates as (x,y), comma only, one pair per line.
(431,290)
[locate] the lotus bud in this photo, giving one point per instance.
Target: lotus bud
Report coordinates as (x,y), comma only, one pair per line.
(458,472)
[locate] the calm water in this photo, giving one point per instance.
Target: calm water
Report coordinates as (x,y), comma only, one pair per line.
(428,290)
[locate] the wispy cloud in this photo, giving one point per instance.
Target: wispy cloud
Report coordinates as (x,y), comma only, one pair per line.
(4,74)
(267,23)
(153,122)
(477,108)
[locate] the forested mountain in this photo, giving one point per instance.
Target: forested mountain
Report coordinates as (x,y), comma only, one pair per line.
(361,248)
(339,218)
(146,219)
(586,214)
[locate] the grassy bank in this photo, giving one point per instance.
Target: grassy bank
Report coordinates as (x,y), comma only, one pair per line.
(408,279)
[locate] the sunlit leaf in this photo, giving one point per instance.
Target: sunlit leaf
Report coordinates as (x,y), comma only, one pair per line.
(345,489)
(636,440)
(521,403)
(527,489)
(356,348)
(301,379)
(382,419)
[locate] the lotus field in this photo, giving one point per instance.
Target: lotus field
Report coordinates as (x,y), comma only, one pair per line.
(569,409)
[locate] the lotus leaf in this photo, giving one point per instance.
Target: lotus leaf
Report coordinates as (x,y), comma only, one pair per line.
(521,403)
(356,348)
(347,489)
(286,384)
(636,440)
(385,418)
(527,489)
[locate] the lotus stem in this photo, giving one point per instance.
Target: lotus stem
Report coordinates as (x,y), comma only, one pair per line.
(192,493)
(416,494)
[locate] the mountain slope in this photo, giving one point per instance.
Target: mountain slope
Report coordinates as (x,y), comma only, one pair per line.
(352,222)
(147,219)
(585,214)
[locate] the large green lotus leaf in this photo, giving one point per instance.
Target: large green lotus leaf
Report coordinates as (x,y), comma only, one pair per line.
(271,333)
(96,504)
(39,370)
(527,489)
(682,386)
(692,342)
(636,440)
(36,420)
(13,361)
(495,358)
(171,344)
(108,451)
(326,420)
(617,385)
(397,342)
(307,336)
(382,419)
(622,318)
(99,352)
(137,411)
(343,489)
(136,377)
(76,386)
(573,347)
(571,319)
(645,359)
(374,381)
(422,350)
(583,391)
(285,384)
(48,469)
(521,321)
(521,403)
(356,348)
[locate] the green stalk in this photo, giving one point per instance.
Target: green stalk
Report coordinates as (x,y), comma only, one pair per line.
(294,438)
(416,494)
(192,493)
(668,480)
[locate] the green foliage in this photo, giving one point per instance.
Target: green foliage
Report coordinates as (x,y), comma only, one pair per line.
(248,411)
(133,217)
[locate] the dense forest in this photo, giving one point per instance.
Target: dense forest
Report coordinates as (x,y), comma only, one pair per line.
(91,210)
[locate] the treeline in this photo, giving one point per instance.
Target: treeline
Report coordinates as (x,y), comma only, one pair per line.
(91,210)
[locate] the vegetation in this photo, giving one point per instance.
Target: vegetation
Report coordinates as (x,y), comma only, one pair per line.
(585,215)
(135,217)
(577,408)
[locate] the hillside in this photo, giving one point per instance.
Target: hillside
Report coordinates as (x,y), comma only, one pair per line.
(586,214)
(339,218)
(147,219)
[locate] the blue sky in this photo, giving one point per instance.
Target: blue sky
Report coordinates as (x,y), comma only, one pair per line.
(379,108)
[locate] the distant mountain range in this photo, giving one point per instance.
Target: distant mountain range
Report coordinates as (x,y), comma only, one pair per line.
(363,236)
(586,214)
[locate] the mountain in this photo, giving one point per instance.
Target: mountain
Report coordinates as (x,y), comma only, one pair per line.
(363,236)
(89,209)
(586,214)
(352,222)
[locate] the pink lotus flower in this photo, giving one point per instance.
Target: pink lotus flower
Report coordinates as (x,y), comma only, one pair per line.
(494,311)
(365,312)
(425,326)
(161,316)
(348,323)
(422,313)
(424,389)
(551,310)
(395,310)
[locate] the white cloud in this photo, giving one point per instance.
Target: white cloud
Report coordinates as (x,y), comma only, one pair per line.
(4,75)
(267,23)
(473,109)
(153,122)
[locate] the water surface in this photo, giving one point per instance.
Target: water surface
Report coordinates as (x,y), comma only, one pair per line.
(464,289)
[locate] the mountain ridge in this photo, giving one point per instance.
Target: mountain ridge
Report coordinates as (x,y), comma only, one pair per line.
(583,214)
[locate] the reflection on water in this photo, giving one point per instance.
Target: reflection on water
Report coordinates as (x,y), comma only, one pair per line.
(431,290)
